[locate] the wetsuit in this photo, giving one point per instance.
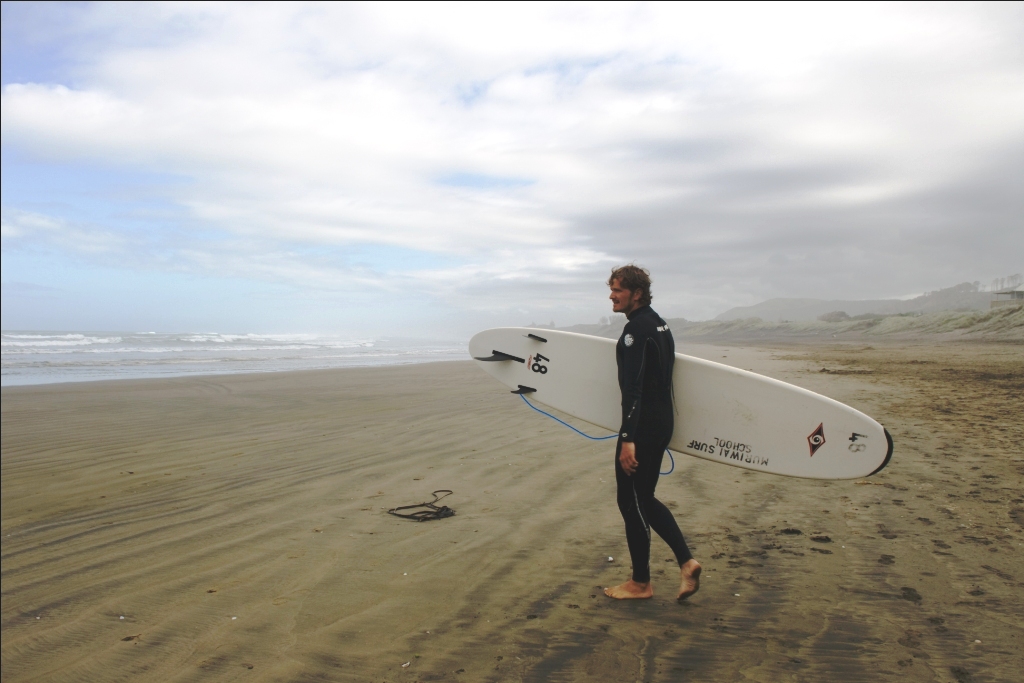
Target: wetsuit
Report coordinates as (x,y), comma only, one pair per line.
(645,355)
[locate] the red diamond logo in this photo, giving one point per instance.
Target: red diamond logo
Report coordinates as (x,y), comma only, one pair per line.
(816,439)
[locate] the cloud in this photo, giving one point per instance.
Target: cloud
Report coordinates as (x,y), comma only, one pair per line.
(24,228)
(508,155)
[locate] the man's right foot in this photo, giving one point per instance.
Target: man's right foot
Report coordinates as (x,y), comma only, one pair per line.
(631,590)
(689,581)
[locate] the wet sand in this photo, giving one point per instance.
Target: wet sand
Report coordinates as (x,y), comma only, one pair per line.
(234,528)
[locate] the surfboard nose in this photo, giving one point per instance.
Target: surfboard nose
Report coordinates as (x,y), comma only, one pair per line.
(888,453)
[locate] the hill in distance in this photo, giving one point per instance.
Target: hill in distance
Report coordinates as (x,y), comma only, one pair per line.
(963,297)
(960,312)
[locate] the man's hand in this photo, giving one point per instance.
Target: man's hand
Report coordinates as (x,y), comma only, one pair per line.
(627,457)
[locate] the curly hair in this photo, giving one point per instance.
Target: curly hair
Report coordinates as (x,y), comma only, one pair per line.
(633,277)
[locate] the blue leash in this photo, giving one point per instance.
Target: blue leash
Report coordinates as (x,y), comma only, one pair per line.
(594,438)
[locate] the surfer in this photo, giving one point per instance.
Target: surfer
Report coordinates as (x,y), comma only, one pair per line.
(645,355)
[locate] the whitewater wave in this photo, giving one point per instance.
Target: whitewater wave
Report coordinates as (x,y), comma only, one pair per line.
(30,357)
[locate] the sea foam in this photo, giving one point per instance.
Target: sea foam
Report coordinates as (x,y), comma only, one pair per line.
(30,357)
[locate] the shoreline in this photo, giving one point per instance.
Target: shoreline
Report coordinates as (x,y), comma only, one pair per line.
(239,373)
(41,358)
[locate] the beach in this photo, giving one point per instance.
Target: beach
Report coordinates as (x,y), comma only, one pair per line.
(234,527)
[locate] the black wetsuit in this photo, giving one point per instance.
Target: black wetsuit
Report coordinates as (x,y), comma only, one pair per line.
(645,356)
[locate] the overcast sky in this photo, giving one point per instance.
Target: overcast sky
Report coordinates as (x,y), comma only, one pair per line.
(436,169)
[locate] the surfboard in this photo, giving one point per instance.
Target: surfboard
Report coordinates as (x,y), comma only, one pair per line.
(723,414)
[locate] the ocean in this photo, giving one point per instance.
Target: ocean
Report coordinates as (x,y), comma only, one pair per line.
(46,357)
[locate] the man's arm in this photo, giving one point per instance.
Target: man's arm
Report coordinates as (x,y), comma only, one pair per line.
(634,359)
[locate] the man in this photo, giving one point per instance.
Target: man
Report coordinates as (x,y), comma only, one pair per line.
(645,355)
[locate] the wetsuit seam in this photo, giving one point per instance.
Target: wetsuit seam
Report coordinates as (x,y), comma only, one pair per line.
(636,499)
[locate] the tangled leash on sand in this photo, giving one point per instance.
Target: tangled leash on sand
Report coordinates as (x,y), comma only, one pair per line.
(432,509)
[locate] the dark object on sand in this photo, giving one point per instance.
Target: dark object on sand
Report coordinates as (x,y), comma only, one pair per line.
(431,510)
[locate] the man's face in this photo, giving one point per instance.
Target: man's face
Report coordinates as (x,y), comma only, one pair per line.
(624,300)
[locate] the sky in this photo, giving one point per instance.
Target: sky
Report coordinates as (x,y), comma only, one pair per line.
(435,169)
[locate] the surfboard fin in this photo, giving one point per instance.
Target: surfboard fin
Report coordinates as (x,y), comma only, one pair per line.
(524,390)
(540,339)
(498,356)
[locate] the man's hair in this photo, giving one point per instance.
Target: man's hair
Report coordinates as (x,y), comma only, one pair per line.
(633,277)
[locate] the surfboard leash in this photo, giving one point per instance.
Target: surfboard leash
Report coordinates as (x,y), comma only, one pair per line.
(594,438)
(432,511)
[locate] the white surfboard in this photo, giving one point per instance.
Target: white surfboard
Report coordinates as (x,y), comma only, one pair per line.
(723,414)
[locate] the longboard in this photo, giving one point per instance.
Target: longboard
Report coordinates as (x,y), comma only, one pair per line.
(723,414)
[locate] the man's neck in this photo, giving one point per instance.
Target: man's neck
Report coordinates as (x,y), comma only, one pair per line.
(639,307)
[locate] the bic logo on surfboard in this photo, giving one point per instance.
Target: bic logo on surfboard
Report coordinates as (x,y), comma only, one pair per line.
(816,439)
(536,363)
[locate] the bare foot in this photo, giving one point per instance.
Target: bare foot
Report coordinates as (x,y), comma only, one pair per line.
(689,579)
(631,590)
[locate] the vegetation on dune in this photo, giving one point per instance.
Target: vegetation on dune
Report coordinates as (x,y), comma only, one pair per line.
(1004,324)
(997,324)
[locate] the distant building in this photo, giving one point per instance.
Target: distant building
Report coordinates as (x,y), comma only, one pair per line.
(1009,297)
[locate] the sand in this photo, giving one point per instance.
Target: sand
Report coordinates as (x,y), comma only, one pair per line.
(234,528)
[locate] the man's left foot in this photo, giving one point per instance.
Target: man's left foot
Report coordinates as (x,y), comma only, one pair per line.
(689,581)
(631,590)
